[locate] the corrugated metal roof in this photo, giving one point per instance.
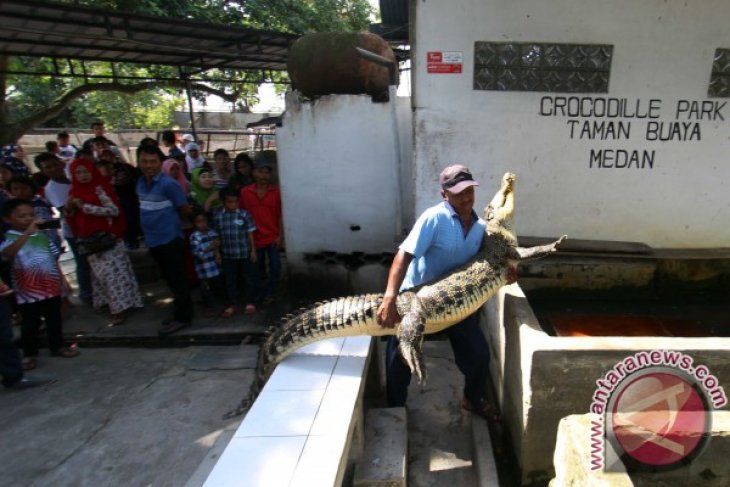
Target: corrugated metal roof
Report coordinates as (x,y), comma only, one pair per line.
(394,12)
(41,29)
(394,26)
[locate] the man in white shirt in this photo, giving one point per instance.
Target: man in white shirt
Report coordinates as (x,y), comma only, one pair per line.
(66,150)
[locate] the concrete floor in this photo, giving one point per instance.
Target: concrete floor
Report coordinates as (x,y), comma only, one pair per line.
(439,431)
(149,416)
(121,417)
(138,417)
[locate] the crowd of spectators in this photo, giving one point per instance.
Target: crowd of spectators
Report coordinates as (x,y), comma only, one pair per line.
(221,218)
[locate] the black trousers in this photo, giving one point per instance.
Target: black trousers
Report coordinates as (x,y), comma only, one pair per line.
(50,309)
(471,354)
(236,271)
(170,259)
(211,288)
(10,366)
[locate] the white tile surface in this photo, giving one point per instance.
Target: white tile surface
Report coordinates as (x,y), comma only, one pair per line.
(335,413)
(296,431)
(348,373)
(301,373)
(257,462)
(356,346)
(322,347)
(281,413)
(312,471)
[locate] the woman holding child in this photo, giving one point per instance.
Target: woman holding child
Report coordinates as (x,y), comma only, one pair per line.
(93,211)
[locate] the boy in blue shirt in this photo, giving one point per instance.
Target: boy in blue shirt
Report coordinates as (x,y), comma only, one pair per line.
(205,247)
(235,227)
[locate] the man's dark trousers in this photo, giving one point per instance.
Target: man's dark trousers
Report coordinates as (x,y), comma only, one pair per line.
(11,367)
(170,258)
(471,354)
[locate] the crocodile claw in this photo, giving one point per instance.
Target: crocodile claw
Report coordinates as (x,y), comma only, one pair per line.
(413,357)
(559,241)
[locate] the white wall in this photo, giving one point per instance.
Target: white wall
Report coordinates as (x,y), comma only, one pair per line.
(337,169)
(662,49)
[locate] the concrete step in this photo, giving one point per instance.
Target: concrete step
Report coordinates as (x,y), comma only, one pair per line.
(484,462)
(384,460)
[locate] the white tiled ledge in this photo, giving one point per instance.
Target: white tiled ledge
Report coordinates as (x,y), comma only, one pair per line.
(298,432)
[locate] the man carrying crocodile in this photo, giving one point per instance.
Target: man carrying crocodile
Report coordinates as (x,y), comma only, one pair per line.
(447,268)
(443,238)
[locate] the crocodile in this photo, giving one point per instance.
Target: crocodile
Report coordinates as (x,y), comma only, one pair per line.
(426,309)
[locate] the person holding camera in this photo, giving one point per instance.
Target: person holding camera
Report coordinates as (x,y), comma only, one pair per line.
(37,281)
(94,214)
(24,188)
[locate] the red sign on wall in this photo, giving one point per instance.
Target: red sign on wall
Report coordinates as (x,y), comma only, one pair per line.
(440,62)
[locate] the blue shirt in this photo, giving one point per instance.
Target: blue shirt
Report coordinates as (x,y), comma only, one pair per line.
(205,265)
(438,244)
(234,227)
(158,204)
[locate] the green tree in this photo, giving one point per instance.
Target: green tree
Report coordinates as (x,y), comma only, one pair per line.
(31,101)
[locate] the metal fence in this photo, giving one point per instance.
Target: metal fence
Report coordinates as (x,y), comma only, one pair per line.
(234,141)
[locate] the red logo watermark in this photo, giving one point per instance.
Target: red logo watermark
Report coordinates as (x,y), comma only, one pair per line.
(655,411)
(658,419)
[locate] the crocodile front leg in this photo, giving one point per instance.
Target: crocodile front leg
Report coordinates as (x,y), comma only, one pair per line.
(530,253)
(410,339)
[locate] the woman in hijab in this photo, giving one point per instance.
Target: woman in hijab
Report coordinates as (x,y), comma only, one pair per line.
(203,192)
(94,207)
(193,158)
(172,168)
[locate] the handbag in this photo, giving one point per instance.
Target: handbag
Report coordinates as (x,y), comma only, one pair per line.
(95,243)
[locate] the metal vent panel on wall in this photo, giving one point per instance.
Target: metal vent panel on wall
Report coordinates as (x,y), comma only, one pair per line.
(533,66)
(720,77)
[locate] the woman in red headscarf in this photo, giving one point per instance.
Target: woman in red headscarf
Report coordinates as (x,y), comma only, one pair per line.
(93,208)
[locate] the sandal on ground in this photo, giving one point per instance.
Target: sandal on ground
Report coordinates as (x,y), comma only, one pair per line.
(171,327)
(30,363)
(228,312)
(249,309)
(484,409)
(116,319)
(66,352)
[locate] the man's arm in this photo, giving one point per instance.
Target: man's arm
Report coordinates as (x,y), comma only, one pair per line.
(184,211)
(174,193)
(387,314)
(252,246)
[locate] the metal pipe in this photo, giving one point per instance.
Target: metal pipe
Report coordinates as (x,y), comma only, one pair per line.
(16,72)
(188,90)
(392,89)
(380,60)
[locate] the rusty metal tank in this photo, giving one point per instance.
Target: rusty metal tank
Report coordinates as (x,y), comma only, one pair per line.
(327,63)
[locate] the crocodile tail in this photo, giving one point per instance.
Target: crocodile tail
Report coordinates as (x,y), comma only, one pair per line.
(347,316)
(259,380)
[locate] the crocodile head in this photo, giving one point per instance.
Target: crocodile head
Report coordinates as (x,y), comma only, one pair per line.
(500,211)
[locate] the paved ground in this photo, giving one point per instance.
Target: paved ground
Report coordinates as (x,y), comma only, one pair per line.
(139,417)
(131,416)
(121,417)
(439,432)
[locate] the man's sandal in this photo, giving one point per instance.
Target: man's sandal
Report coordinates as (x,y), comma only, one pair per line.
(30,363)
(484,409)
(228,312)
(66,352)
